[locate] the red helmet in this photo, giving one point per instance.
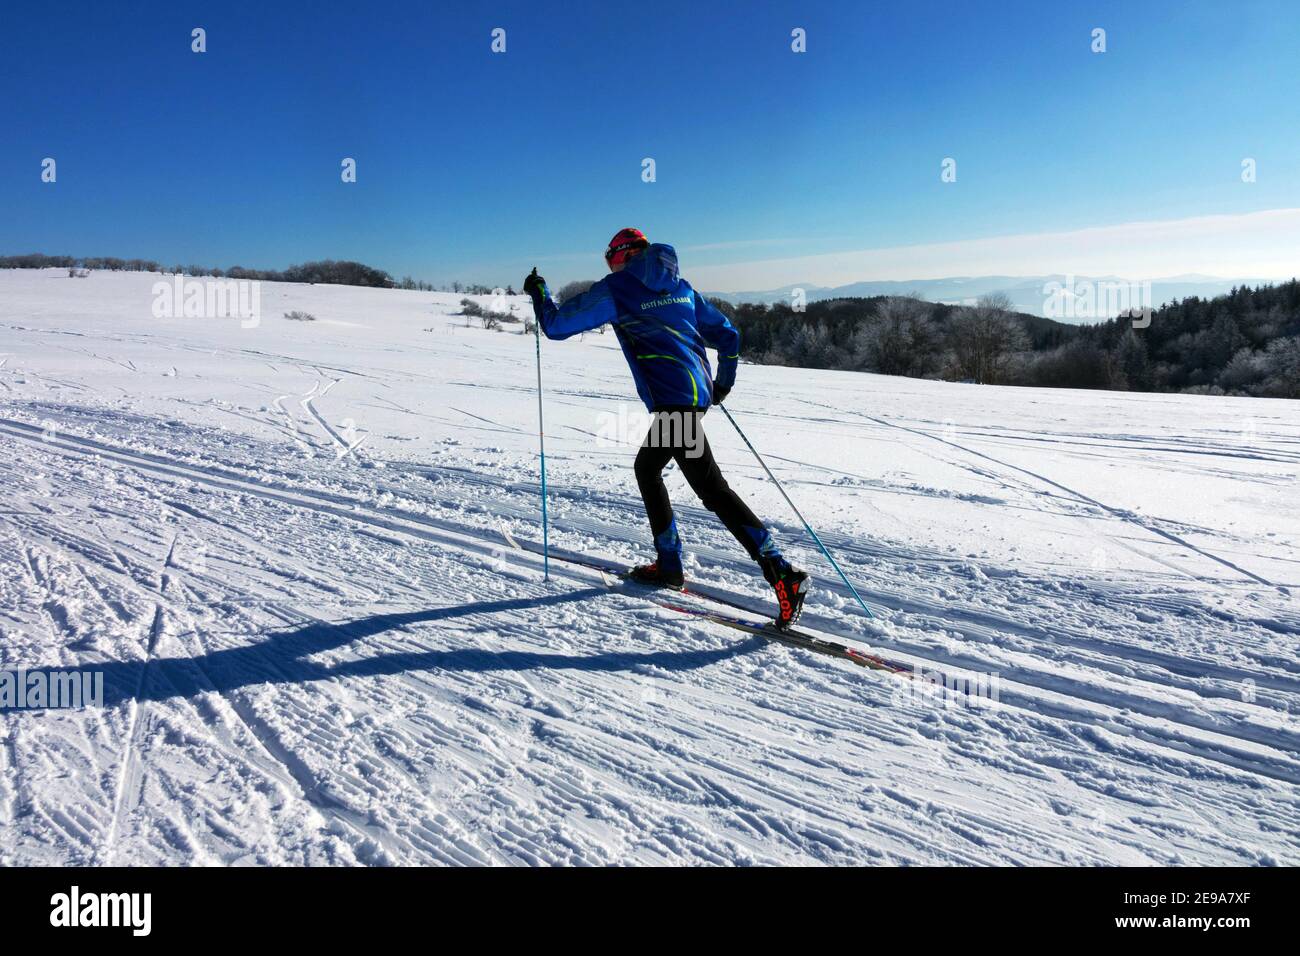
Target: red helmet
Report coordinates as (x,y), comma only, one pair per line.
(624,245)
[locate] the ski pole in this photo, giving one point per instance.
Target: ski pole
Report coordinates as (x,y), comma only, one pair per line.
(807,526)
(541,439)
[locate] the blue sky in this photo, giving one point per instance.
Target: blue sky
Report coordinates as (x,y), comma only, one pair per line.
(474,165)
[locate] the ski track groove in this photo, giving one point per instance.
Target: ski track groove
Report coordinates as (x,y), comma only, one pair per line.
(426,528)
(1113,512)
(129,776)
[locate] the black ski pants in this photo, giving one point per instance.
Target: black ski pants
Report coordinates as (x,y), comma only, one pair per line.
(677,434)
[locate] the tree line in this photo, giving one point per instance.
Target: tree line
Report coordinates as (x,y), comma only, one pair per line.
(1246,342)
(325,271)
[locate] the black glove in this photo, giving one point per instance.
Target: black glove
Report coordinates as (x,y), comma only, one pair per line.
(535,286)
(720,393)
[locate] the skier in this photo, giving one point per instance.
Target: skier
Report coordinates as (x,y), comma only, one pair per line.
(663,326)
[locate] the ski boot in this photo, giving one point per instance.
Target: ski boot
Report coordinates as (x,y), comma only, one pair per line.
(791,587)
(666,572)
(659,575)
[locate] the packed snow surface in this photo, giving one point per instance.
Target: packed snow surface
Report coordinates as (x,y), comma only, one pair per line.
(300,555)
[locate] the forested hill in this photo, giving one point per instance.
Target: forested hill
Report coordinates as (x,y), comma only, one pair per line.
(1246,342)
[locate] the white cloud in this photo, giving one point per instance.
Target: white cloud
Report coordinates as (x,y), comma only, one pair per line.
(1259,244)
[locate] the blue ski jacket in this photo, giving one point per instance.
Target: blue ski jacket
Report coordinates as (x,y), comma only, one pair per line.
(662,324)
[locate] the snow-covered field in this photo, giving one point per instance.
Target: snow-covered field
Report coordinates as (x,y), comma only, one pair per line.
(288,549)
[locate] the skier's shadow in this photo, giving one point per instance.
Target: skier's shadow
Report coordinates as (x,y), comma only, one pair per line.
(281,659)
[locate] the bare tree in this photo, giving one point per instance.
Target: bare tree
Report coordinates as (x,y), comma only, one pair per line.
(897,340)
(985,337)
(574,289)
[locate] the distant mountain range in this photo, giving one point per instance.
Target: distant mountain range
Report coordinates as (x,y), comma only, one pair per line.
(1052,296)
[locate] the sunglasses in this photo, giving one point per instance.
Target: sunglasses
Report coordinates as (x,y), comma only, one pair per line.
(612,254)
